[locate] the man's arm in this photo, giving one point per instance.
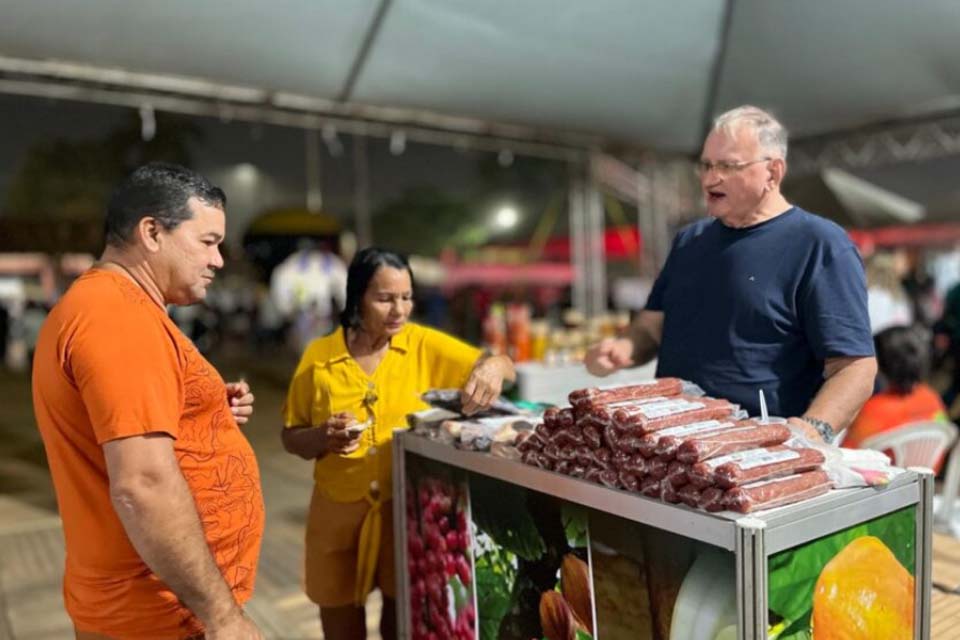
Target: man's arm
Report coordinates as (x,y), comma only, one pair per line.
(646,333)
(849,383)
(157,510)
(639,348)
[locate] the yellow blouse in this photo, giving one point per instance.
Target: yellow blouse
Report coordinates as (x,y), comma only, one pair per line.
(328,380)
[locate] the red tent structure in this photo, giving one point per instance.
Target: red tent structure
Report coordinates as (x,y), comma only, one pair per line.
(943,234)
(619,243)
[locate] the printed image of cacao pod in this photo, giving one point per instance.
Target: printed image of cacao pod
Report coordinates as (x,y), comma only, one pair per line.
(575,586)
(557,618)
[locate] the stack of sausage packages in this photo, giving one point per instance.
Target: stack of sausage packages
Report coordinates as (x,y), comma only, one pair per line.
(654,439)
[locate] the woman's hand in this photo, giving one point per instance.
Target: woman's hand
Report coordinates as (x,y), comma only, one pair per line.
(485,383)
(335,438)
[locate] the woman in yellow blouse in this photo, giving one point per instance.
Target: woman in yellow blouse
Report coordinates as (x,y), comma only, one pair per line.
(370,371)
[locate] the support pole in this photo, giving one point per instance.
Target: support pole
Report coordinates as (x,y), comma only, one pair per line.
(578,249)
(361,192)
(312,156)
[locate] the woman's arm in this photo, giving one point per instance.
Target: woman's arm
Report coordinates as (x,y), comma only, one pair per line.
(485,383)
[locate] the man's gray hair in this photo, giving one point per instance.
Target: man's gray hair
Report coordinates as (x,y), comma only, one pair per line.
(771,135)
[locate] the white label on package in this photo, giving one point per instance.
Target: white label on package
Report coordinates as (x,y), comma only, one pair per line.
(769,457)
(633,407)
(635,401)
(695,427)
(732,457)
(760,483)
(669,408)
(753,458)
(620,385)
(737,430)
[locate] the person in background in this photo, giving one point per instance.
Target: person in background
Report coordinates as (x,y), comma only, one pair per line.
(925,297)
(887,300)
(948,341)
(158,489)
(370,371)
(760,295)
(4,332)
(903,355)
(34,314)
(305,287)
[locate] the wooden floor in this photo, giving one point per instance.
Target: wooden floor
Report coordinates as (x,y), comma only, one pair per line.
(945,602)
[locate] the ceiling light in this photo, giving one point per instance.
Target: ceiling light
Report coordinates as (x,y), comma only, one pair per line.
(506,217)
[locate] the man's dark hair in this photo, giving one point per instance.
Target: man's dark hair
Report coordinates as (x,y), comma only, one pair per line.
(361,271)
(903,357)
(159,190)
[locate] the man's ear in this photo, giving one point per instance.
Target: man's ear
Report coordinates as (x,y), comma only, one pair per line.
(148,233)
(778,169)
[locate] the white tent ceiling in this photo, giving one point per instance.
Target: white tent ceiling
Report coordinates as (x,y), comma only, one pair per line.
(647,73)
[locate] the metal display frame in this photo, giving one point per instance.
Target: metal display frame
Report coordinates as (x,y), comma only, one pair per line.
(752,538)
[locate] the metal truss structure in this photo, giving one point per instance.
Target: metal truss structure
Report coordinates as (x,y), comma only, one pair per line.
(907,142)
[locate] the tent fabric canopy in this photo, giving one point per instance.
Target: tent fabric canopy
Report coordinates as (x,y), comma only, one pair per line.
(645,73)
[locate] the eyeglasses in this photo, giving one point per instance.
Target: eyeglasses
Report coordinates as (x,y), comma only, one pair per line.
(725,168)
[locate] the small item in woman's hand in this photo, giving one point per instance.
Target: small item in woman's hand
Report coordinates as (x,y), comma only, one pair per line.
(357,428)
(344,422)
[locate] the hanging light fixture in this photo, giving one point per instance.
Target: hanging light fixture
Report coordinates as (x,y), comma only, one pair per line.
(148,122)
(332,140)
(398,142)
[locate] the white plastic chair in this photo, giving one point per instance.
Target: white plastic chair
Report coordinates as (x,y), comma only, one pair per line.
(921,444)
(916,444)
(945,503)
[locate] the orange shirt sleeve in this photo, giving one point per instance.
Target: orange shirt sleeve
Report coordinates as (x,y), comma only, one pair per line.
(127,369)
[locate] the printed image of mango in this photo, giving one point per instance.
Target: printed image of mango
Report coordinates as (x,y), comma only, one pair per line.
(863,593)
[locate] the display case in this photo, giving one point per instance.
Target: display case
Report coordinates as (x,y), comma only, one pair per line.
(528,553)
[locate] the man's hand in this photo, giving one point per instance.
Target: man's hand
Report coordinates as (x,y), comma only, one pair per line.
(241,400)
(807,429)
(485,383)
(609,355)
(238,627)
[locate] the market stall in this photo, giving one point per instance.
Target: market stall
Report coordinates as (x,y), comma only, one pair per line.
(491,547)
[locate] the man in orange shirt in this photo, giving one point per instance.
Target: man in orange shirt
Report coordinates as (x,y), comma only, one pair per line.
(158,490)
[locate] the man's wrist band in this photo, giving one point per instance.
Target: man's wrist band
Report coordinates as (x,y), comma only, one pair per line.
(824,428)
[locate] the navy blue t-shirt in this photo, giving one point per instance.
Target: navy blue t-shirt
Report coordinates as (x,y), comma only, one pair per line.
(761,308)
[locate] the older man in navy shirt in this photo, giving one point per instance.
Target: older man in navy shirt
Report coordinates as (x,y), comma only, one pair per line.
(760,295)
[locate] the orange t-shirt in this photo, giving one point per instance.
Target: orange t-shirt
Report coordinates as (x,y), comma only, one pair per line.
(886,410)
(109,364)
